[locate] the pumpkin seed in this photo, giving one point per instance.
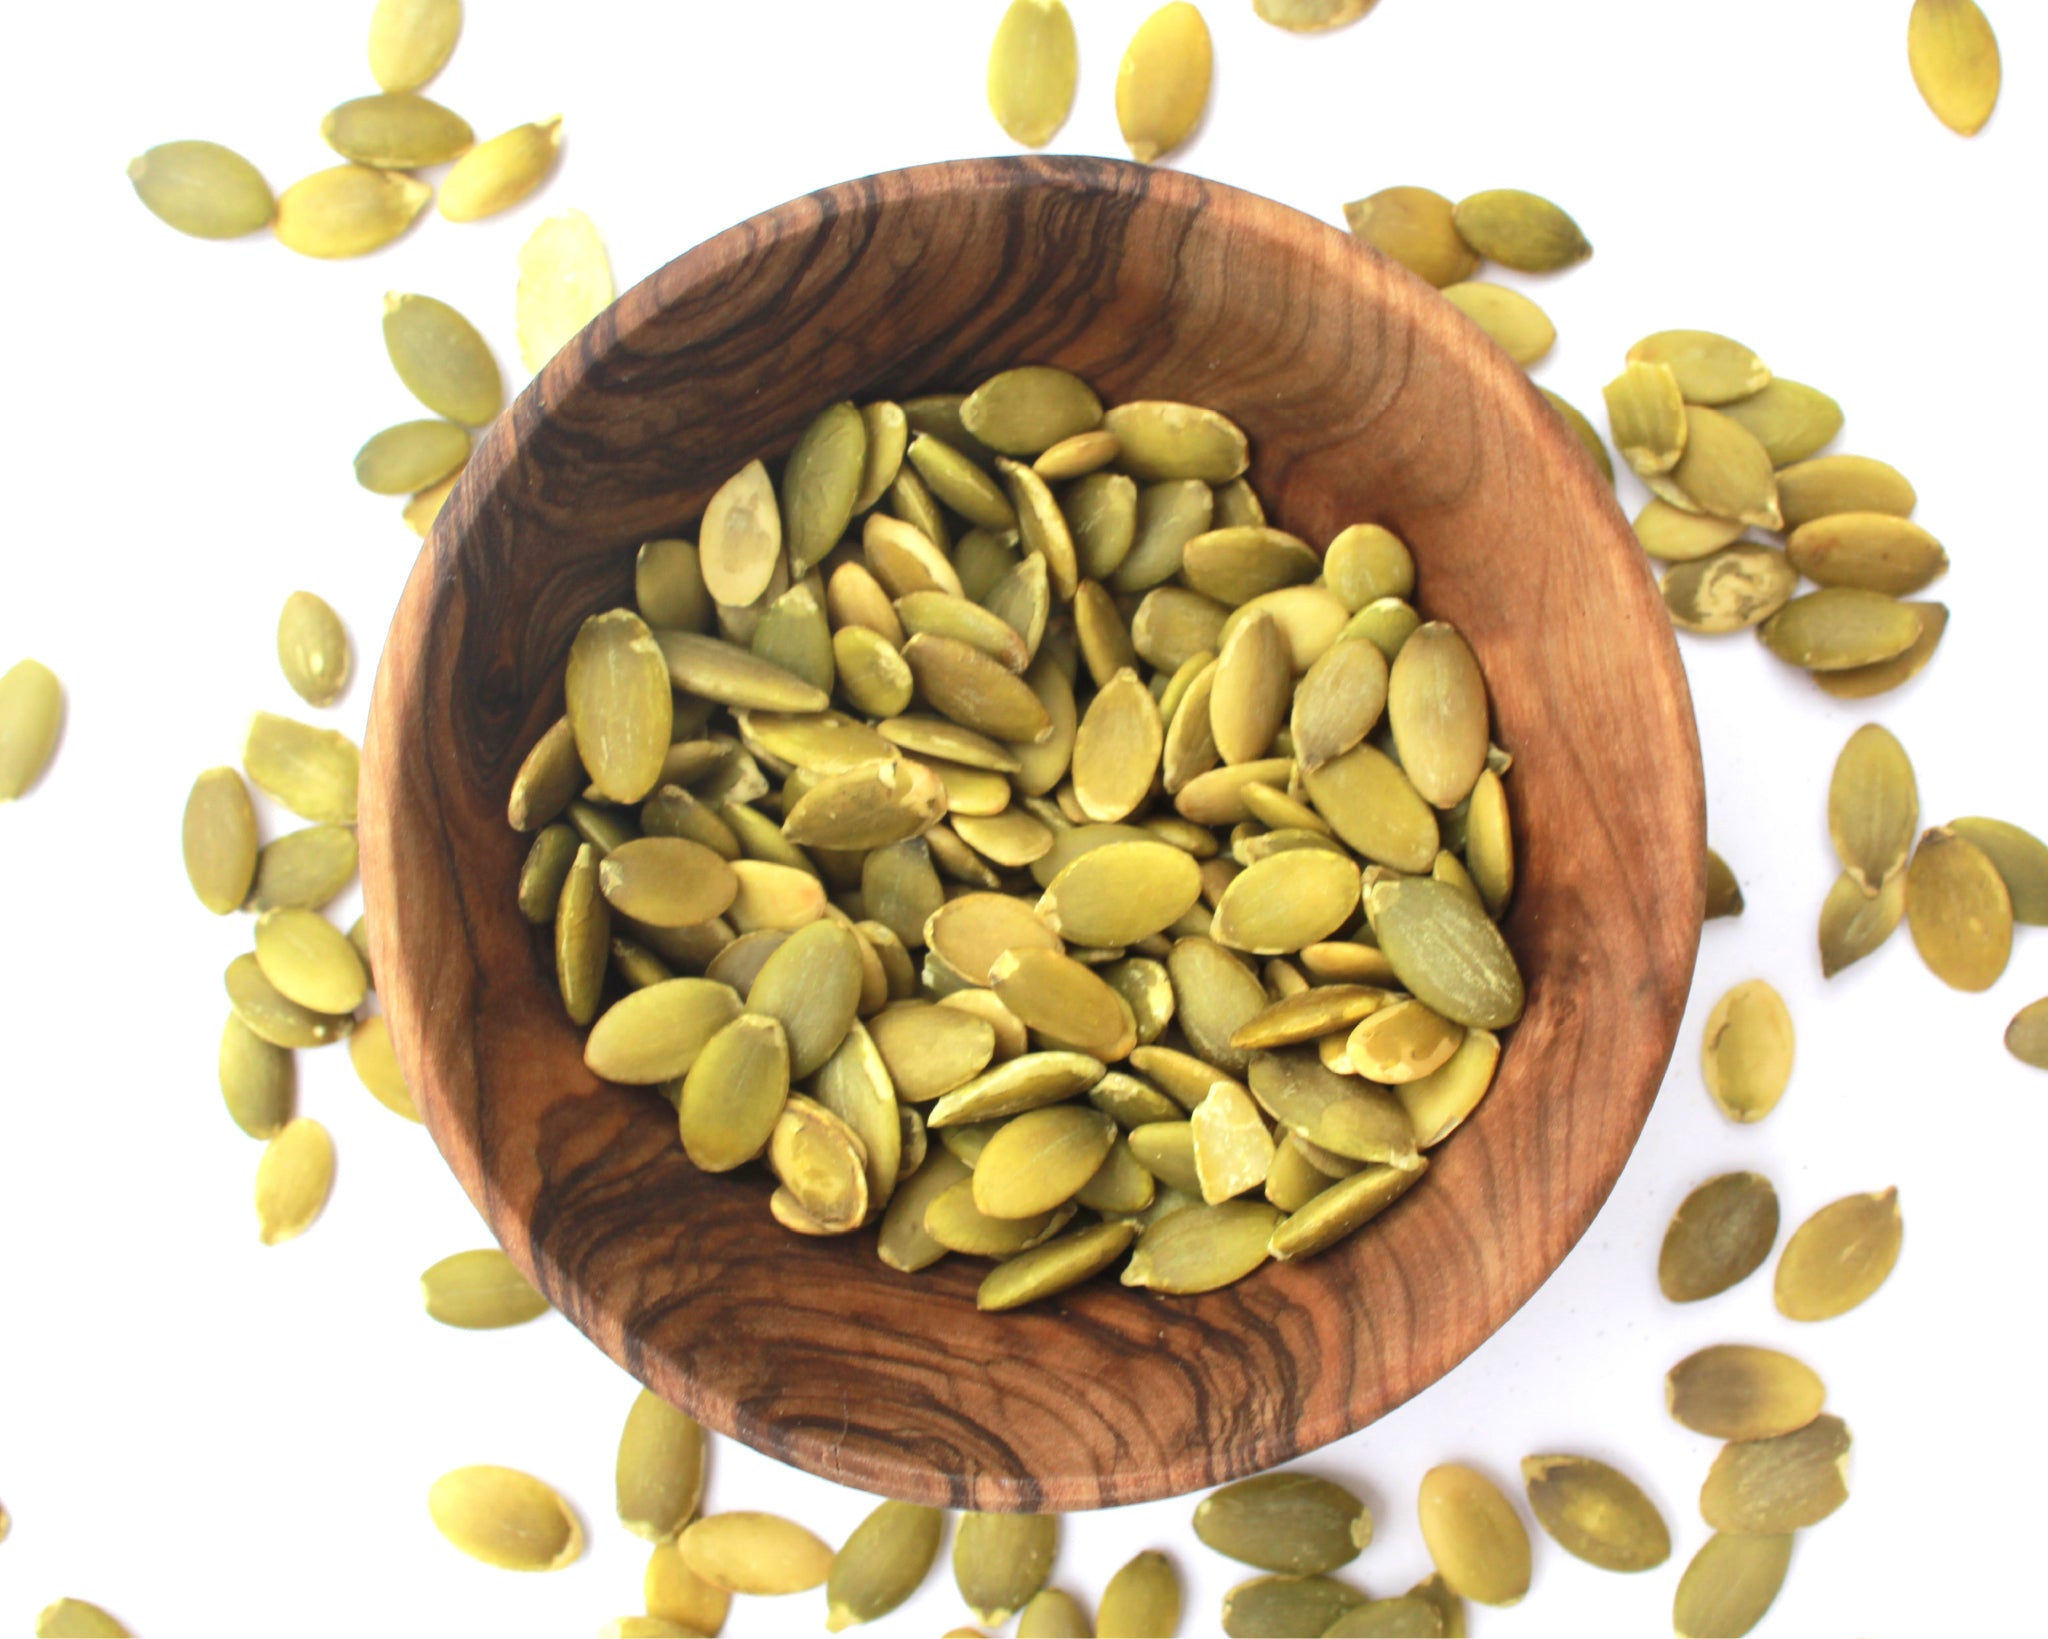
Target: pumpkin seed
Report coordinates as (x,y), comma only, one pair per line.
(1162,85)
(1520,230)
(1730,1584)
(1166,1149)
(1831,484)
(668,882)
(1287,901)
(1710,369)
(421,511)
(1202,1248)
(1372,805)
(1736,1392)
(1515,324)
(293,1180)
(820,483)
(1250,691)
(931,1051)
(348,210)
(675,1593)
(1790,419)
(1720,1236)
(1401,1043)
(1142,1600)
(479,1291)
(1401,1616)
(1309,1015)
(1839,627)
(1767,1487)
(1854,923)
(1354,1118)
(1276,1607)
(1064,1001)
(1746,1054)
(1038,1160)
(551,775)
(1053,1267)
(904,1243)
(755,1553)
(410,40)
(1647,412)
(375,1062)
(955,1223)
(31,716)
(1026,411)
(1839,1257)
(2026,1038)
(312,649)
(739,542)
(398,130)
(956,480)
(202,189)
(565,281)
(1445,951)
(1165,515)
(871,671)
(1596,1513)
(886,433)
(1678,537)
(1215,994)
(1436,707)
(220,840)
(1386,623)
(1589,440)
(1163,440)
(1117,748)
(1474,1535)
(1958,910)
(1001,1560)
(1438,1103)
(658,1033)
(882,1563)
(1173,625)
(258,1080)
(1724,893)
(442,360)
(1449,1607)
(1341,1208)
(273,1016)
(2021,860)
(1724,471)
(77,1619)
(1873,807)
(1293,1523)
(1954,58)
(734,1090)
(1415,226)
(620,708)
(544,873)
(1232,1148)
(962,683)
(1873,550)
(715,670)
(1236,564)
(495,175)
(411,456)
(972,931)
(821,1165)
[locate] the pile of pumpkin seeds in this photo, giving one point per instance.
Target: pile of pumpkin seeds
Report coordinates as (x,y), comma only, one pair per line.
(1075,841)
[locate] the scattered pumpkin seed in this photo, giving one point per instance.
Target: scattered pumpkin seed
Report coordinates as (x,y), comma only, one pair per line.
(565,281)
(1767,1487)
(479,1291)
(375,1062)
(202,189)
(1416,227)
(1162,85)
(1596,1513)
(293,1180)
(882,1563)
(1647,412)
(506,1518)
(31,717)
(410,41)
(1474,1535)
(672,1591)
(495,175)
(1873,807)
(273,1016)
(1521,230)
(398,130)
(258,1080)
(1729,1585)
(1514,323)
(348,210)
(1826,485)
(1277,1607)
(2026,1038)
(1839,627)
(1839,1256)
(77,1619)
(220,840)
(1746,1053)
(1710,369)
(312,649)
(755,1553)
(1053,1613)
(410,456)
(310,961)
(1401,1616)
(1861,682)
(1141,1601)
(1954,57)
(2022,862)
(1854,923)
(1720,1236)
(1958,910)
(442,360)
(1001,1560)
(1678,537)
(1873,550)
(1734,1391)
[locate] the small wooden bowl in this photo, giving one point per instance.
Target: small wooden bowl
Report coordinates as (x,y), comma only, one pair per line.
(1366,399)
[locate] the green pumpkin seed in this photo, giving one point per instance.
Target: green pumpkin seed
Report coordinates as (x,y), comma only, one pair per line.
(1001,1560)
(77,1619)
(442,360)
(1012,839)
(819,1160)
(1710,369)
(1343,1207)
(220,840)
(1873,807)
(1168,514)
(1053,1267)
(620,708)
(1166,1149)
(1729,1586)
(1746,1054)
(1202,1248)
(854,1085)
(1367,562)
(375,1061)
(1596,1513)
(398,130)
(1959,911)
(1038,1160)
(1215,995)
(1873,550)
(1120,1186)
(202,189)
(904,1243)
(668,586)
(1792,421)
(1132,1102)
(812,984)
(410,456)
(1838,1258)
(1162,85)
(1065,1001)
(1287,901)
(1724,893)
(1767,1487)
(258,1080)
(2021,860)
(544,873)
(1449,1607)
(734,1091)
(1854,923)
(1041,525)
(1297,1524)
(1310,1015)
(1386,623)
(1352,1117)
(1839,627)
(1736,1392)
(1236,564)
(1521,230)
(1719,1236)
(1026,411)
(1232,1148)
(1142,1600)
(882,1563)
(1278,1607)
(1400,1043)
(963,486)
(551,775)
(1076,456)
(31,717)
(1438,1103)
(312,649)
(1679,537)
(1515,324)
(1436,707)
(349,210)
(873,673)
(1372,805)
(675,1593)
(1031,71)
(668,882)
(886,432)
(1954,57)
(1474,1535)
(1647,412)
(821,481)
(1831,484)
(273,1016)
(658,1033)
(293,1181)
(1445,951)
(739,543)
(931,1051)
(1589,441)
(495,175)
(1383,1617)
(2026,1038)
(1250,691)
(1723,471)
(479,1291)
(962,683)
(565,281)
(955,1223)
(1164,441)
(1416,227)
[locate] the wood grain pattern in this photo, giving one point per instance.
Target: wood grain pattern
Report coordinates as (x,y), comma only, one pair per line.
(1366,398)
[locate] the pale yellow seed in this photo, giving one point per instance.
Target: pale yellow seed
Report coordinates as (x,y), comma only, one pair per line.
(495,175)
(1955,63)
(505,1518)
(565,281)
(1162,85)
(293,1180)
(1032,67)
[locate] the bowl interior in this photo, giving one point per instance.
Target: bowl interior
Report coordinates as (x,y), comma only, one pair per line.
(1366,399)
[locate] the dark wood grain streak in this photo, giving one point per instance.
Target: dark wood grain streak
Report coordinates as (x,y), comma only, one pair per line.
(1367,398)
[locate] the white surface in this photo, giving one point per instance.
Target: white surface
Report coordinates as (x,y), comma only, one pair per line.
(209,1436)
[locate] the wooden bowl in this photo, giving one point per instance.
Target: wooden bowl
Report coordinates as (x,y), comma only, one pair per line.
(1367,399)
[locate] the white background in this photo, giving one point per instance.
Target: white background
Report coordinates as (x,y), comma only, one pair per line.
(209,1436)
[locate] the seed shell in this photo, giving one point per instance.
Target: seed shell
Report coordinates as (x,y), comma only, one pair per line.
(1767,1487)
(1959,911)
(348,210)
(1596,1513)
(1746,1053)
(258,1080)
(1720,1235)
(882,1563)
(202,189)
(1001,1560)
(1734,1391)
(1415,226)
(1521,230)
(1954,57)
(479,1291)
(1729,1586)
(495,175)
(220,840)
(293,1180)
(1839,1256)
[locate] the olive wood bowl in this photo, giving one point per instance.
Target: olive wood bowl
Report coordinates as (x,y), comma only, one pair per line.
(1366,398)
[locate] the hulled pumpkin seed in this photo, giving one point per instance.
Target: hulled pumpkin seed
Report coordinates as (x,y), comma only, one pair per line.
(1215,994)
(410,40)
(1026,411)
(1729,1585)
(1438,1103)
(1031,71)
(1720,1235)
(657,1033)
(820,483)
(1724,893)
(1050,1268)
(1954,57)
(1734,1391)
(582,937)
(1873,807)
(1582,430)
(506,1518)
(1117,748)
(1164,440)
(375,1061)
(1839,1256)
(1829,484)
(1767,1487)
(882,1563)
(1201,1248)
(312,649)
(1298,1524)
(410,456)
(1679,537)
(1038,1160)
(1873,550)
(675,1593)
(1001,1560)
(978,693)
(1647,412)
(1372,805)
(1724,471)
(620,708)
(220,840)
(1352,1117)
(479,1291)
(1450,1609)
(1401,1043)
(660,1468)
(2026,1037)
(398,130)
(755,1553)
(273,1016)
(293,1180)
(1141,1601)
(1274,1607)
(1520,230)
(955,1223)
(202,189)
(551,775)
(1515,324)
(1596,1513)
(822,1166)
(1958,910)
(1341,1208)
(1250,691)
(31,717)
(310,961)
(565,281)
(348,210)
(77,1619)
(1474,1535)
(1445,951)
(495,175)
(1417,227)
(1287,901)
(1710,369)
(1162,85)
(2021,860)
(442,360)
(258,1080)
(904,1243)
(1840,627)
(734,1090)
(1232,1148)
(1310,1015)
(1854,923)
(1746,1054)
(1405,1615)
(1436,707)
(310,771)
